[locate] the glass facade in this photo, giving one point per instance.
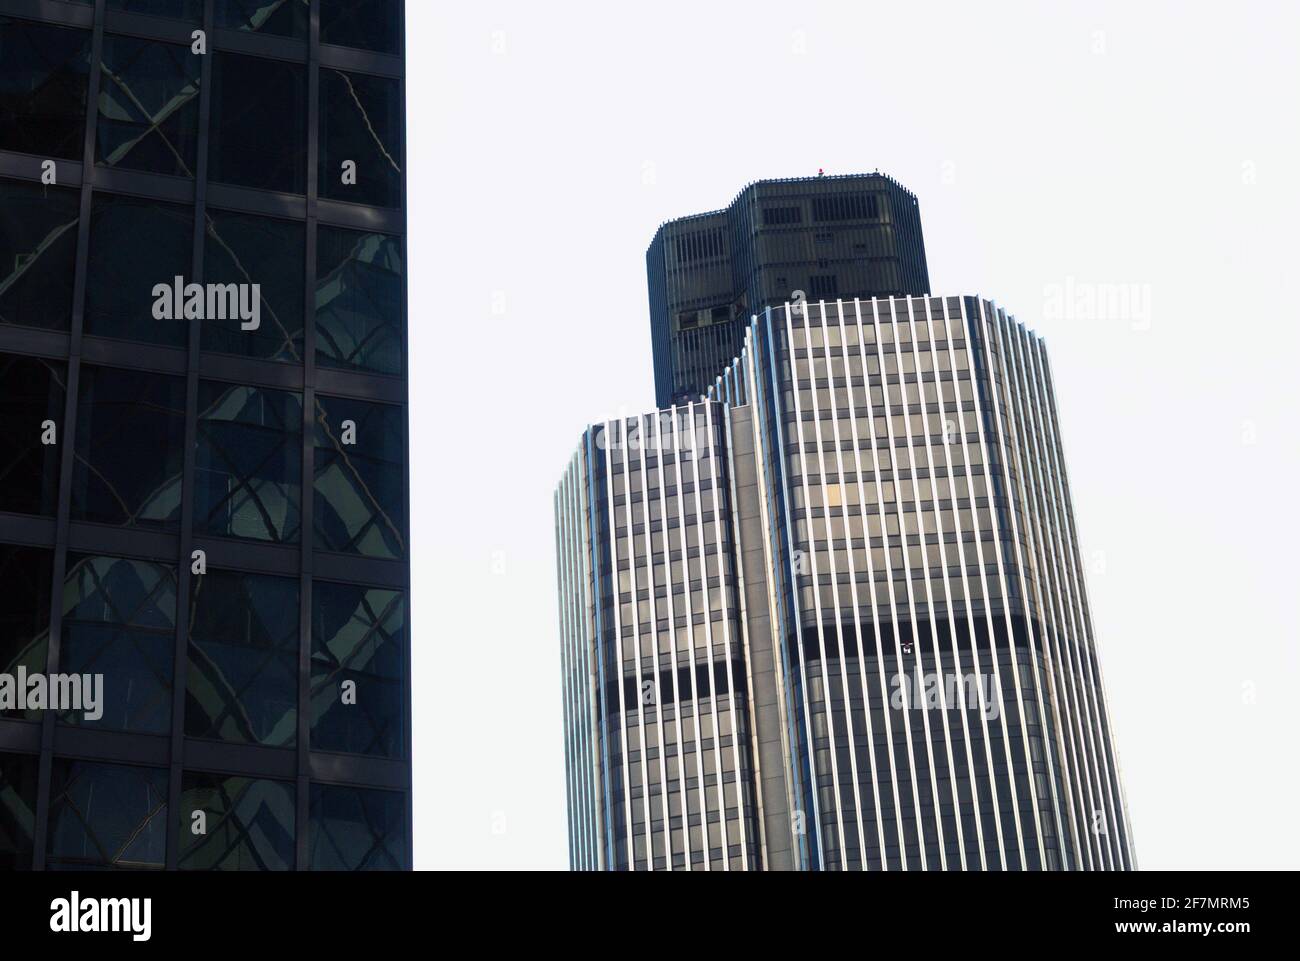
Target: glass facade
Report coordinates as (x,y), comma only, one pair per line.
(896,577)
(848,236)
(207,508)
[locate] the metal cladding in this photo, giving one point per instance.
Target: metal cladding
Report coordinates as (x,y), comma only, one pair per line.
(833,615)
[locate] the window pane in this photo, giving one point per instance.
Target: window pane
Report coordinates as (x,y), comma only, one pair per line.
(106,816)
(183,9)
(130,440)
(354,829)
(358,636)
(26,573)
(368,24)
(17,810)
(282,18)
(119,620)
(360,506)
(243,249)
(43,88)
(249,824)
(242,684)
(31,398)
(148,106)
(38,250)
(259,123)
(121,276)
(361,121)
(358,301)
(248,480)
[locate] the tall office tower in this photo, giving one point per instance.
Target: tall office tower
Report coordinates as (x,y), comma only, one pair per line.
(844,236)
(834,615)
(203,385)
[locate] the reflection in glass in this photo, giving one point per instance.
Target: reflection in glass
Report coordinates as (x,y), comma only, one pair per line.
(121,276)
(43,88)
(38,249)
(27,574)
(119,620)
(361,121)
(242,683)
(244,249)
(248,474)
(359,507)
(358,301)
(250,824)
(259,123)
(32,394)
(130,436)
(148,106)
(17,810)
(106,816)
(358,635)
(354,829)
(281,18)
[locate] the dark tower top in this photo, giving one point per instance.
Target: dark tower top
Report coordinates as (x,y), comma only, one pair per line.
(849,236)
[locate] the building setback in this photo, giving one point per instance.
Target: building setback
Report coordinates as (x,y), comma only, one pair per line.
(833,615)
(849,236)
(209,512)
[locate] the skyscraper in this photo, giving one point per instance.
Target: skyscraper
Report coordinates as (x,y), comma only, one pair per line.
(203,402)
(833,615)
(849,236)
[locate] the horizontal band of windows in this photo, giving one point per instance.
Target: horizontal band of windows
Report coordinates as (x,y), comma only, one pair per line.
(24,737)
(222,555)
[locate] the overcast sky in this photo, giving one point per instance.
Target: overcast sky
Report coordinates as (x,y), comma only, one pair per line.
(1058,150)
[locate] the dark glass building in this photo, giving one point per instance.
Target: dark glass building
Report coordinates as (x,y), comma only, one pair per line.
(208,508)
(827,237)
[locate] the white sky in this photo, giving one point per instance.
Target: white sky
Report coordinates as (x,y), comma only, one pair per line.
(1149,144)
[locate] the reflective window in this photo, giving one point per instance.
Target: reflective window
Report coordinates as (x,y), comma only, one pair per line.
(148,106)
(182,9)
(244,249)
(249,822)
(354,829)
(361,122)
(17,810)
(368,24)
(38,250)
(106,816)
(119,620)
(358,301)
(43,88)
(282,18)
(358,661)
(242,684)
(32,394)
(248,480)
(27,574)
(121,277)
(259,123)
(130,441)
(360,502)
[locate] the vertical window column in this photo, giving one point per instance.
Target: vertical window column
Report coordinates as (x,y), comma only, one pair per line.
(87,154)
(185,565)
